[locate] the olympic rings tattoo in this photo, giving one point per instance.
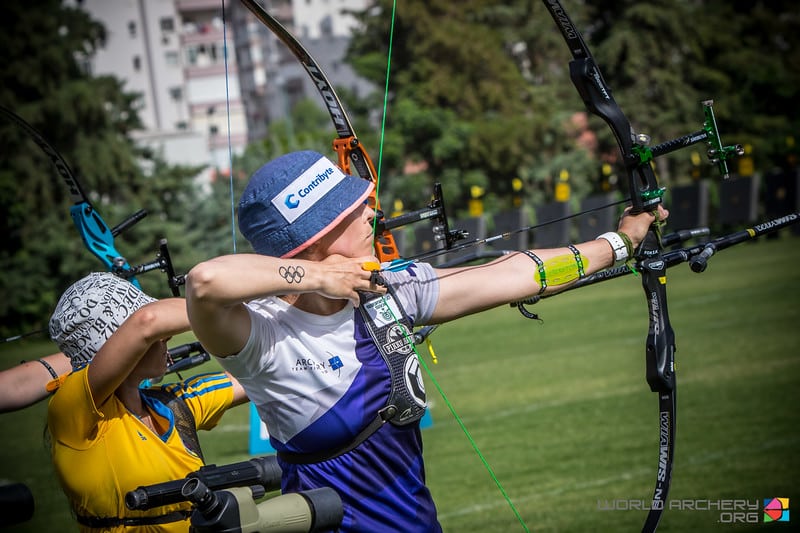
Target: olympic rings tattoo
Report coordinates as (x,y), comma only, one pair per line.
(292,274)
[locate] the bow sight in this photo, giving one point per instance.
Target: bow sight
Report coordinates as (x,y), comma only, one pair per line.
(717,153)
(435,211)
(162,262)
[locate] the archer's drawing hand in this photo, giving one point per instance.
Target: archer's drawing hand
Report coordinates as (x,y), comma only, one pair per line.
(636,226)
(344,277)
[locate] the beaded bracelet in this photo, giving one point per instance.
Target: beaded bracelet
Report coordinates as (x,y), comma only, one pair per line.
(540,268)
(578,261)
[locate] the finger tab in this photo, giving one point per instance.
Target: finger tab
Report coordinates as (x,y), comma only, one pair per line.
(370,266)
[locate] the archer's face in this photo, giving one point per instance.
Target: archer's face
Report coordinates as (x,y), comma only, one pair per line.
(154,363)
(353,236)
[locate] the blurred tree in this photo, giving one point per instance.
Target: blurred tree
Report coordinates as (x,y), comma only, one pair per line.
(89,121)
(460,109)
(482,90)
(754,49)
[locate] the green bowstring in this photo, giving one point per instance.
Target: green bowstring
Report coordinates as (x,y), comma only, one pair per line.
(457,418)
(383,119)
(424,365)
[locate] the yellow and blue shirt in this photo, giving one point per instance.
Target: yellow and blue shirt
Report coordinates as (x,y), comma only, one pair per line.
(101,452)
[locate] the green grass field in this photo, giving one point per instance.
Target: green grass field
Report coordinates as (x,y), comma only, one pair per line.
(562,413)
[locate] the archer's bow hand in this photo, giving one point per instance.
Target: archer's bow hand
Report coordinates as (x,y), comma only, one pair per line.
(636,226)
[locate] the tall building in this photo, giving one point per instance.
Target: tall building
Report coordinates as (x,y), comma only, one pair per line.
(278,81)
(143,49)
(197,107)
(314,19)
(212,83)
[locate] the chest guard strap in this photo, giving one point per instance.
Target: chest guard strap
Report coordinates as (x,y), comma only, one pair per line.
(184,419)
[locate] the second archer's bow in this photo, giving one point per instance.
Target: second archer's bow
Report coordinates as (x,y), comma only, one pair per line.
(351,153)
(96,235)
(645,196)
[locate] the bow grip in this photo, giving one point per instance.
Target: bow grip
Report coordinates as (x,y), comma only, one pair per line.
(660,344)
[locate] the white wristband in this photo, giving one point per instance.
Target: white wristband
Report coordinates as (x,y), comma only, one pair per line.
(617,244)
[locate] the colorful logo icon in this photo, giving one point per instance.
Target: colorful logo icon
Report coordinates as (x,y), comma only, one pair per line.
(776,509)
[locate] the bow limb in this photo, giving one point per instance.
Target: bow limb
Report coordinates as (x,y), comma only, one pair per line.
(95,233)
(645,196)
(350,152)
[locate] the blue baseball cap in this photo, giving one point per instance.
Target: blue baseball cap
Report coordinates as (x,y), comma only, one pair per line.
(292,201)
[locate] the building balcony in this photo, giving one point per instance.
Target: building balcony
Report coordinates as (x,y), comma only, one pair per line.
(196,5)
(194,72)
(204,34)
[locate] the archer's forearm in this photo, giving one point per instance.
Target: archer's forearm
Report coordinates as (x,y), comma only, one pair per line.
(25,384)
(233,279)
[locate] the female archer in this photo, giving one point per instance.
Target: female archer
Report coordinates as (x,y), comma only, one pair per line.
(316,331)
(109,435)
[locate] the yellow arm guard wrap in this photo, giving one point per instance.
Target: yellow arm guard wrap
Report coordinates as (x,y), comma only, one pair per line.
(563,269)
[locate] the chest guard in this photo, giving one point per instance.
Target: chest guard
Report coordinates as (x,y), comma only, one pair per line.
(390,328)
(183,418)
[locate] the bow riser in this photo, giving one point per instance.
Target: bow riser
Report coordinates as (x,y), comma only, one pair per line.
(598,99)
(98,237)
(660,343)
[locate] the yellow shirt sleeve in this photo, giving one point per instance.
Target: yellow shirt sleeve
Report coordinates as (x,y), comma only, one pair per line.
(208,396)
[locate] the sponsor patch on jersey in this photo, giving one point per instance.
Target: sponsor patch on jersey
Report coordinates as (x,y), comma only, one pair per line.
(383,310)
